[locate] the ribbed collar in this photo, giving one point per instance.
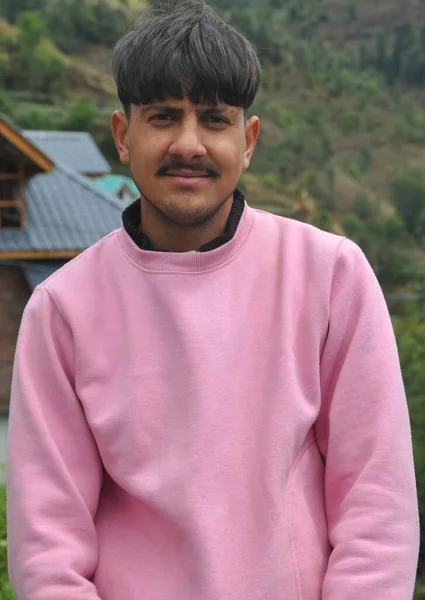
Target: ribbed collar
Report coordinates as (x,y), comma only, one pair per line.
(220,250)
(132,218)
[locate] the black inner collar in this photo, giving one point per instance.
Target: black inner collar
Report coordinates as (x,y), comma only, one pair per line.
(132,218)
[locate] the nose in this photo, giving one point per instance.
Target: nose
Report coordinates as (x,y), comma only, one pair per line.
(187,144)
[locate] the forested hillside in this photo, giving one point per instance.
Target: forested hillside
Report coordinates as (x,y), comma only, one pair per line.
(343,138)
(343,124)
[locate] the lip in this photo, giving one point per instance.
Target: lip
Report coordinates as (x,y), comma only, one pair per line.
(188,180)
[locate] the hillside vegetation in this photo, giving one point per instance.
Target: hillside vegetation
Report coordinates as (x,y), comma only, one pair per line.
(342,144)
(343,128)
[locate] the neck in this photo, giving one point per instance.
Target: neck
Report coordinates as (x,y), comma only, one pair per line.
(165,234)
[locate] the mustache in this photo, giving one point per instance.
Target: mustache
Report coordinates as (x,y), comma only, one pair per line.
(179,166)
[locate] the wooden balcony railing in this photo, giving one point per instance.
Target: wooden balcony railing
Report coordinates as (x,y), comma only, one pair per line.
(12,211)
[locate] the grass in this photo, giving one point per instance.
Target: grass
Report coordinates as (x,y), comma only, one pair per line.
(6,592)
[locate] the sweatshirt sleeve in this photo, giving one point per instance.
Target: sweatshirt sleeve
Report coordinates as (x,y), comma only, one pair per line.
(54,471)
(363,433)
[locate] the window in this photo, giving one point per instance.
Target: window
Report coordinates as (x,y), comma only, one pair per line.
(12,196)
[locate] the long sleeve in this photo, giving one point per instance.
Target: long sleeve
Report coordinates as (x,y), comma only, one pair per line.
(54,470)
(364,435)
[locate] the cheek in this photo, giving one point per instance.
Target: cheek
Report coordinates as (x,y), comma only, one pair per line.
(232,155)
(147,152)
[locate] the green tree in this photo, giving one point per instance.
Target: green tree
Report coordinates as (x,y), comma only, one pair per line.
(52,72)
(316,113)
(381,52)
(246,21)
(352,11)
(111,23)
(6,104)
(63,29)
(408,190)
(402,43)
(81,116)
(348,122)
(32,62)
(5,588)
(304,148)
(270,181)
(323,220)
(363,207)
(37,118)
(410,333)
(382,239)
(11,9)
(31,30)
(365,58)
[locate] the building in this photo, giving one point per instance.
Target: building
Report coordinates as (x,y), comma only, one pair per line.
(120,186)
(75,149)
(49,213)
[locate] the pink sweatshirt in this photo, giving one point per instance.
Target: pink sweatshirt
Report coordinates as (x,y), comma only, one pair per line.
(228,425)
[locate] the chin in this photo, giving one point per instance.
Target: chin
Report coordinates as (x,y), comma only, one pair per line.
(190,216)
(190,210)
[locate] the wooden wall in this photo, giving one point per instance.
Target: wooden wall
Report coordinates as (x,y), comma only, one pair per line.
(14,294)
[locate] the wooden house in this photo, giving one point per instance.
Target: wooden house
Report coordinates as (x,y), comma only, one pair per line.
(49,213)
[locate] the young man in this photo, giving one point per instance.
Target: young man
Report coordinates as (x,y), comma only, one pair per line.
(207,404)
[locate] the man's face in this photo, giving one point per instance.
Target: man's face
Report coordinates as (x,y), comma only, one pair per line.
(185,159)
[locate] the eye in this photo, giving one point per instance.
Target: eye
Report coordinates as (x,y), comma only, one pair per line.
(162,117)
(215,120)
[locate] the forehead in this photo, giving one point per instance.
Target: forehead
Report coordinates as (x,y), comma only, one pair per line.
(186,106)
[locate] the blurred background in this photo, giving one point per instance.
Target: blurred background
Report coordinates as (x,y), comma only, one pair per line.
(342,147)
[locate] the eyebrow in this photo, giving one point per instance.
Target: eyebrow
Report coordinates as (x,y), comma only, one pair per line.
(214,110)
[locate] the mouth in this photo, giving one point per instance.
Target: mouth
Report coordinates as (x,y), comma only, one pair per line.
(187,178)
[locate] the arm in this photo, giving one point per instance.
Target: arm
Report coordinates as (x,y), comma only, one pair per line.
(363,433)
(54,470)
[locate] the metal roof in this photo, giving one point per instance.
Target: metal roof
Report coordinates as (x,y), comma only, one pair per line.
(111,184)
(65,211)
(36,272)
(75,149)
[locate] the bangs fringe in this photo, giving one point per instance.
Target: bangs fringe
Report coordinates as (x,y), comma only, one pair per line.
(197,56)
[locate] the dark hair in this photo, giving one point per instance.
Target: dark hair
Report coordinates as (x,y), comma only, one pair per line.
(183,49)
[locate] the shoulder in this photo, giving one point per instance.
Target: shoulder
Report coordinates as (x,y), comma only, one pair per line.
(297,230)
(301,240)
(80,277)
(313,258)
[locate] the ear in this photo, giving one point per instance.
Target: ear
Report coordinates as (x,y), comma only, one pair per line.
(119,125)
(252,130)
